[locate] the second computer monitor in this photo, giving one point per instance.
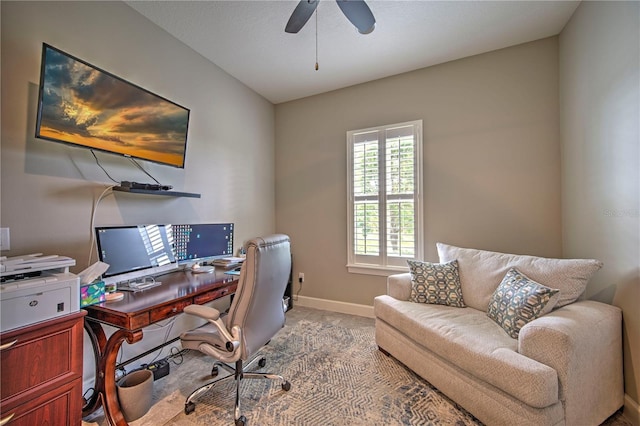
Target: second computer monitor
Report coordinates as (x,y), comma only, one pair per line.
(200,242)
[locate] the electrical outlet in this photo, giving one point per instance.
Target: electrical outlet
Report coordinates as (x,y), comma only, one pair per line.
(301,277)
(5,239)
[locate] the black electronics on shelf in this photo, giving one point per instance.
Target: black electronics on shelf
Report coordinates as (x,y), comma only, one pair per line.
(155,192)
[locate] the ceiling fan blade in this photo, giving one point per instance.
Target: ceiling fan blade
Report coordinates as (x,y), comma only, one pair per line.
(301,15)
(359,14)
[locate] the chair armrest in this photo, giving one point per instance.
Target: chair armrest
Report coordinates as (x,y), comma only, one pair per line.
(399,286)
(583,343)
(204,312)
(212,315)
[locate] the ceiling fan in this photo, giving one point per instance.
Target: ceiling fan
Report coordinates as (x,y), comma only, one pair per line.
(356,11)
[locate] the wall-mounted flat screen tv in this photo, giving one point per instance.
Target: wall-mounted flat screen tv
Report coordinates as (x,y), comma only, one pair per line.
(82,105)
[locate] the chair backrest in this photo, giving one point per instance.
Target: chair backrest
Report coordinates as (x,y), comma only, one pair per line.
(257,305)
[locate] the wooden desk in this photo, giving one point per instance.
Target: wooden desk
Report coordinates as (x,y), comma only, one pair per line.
(131,314)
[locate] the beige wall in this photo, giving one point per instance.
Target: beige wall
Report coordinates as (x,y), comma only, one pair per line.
(491,156)
(600,118)
(48,189)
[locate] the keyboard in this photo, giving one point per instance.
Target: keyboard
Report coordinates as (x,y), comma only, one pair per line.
(138,286)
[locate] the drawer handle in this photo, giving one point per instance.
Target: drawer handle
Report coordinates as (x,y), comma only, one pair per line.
(2,348)
(7,419)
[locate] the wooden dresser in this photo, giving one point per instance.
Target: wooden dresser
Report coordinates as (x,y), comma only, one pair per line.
(41,373)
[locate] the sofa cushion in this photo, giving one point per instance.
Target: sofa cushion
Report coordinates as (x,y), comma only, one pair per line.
(519,300)
(436,283)
(482,271)
(471,341)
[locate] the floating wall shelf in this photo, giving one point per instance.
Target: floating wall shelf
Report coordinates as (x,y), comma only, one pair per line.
(155,192)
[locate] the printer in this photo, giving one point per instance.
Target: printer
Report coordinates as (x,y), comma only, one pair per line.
(35,288)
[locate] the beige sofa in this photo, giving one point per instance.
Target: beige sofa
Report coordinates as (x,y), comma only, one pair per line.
(564,367)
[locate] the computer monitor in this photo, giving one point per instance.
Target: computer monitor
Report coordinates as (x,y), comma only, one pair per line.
(135,251)
(201,242)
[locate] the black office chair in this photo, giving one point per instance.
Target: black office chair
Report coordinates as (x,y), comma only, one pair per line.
(255,316)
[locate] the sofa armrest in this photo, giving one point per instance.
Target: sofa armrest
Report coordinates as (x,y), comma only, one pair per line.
(399,286)
(583,343)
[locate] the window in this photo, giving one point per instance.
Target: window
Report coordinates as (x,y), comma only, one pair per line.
(384,197)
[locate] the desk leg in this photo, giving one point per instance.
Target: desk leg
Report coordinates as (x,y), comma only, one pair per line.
(106,352)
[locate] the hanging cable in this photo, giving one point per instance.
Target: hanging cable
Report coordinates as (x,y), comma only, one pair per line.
(179,354)
(145,172)
(93,218)
(168,326)
(103,169)
(316,39)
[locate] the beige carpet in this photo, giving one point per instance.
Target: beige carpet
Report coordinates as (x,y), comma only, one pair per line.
(337,376)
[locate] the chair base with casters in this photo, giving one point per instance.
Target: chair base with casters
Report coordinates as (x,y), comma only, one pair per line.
(238,373)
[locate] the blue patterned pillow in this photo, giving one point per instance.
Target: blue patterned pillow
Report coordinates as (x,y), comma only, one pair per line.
(519,300)
(436,283)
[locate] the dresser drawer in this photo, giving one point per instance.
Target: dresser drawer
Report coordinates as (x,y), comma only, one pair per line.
(45,355)
(41,373)
(43,360)
(62,408)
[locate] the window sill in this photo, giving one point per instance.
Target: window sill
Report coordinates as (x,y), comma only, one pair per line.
(383,271)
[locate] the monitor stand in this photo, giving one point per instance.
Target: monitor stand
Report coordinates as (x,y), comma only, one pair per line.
(202,269)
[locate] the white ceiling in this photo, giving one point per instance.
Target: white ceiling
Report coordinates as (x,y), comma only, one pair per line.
(247,38)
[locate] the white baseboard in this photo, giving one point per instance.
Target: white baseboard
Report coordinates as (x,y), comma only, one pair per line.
(631,410)
(334,306)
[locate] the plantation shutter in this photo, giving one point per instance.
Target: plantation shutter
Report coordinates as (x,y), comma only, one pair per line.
(384,206)
(366,196)
(400,194)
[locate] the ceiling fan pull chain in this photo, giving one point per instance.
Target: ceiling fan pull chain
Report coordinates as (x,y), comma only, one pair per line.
(316,39)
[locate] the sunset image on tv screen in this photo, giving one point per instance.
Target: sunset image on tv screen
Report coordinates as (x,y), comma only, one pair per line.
(85,106)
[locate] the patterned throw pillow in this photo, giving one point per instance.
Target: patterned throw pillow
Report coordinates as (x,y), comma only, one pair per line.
(519,300)
(436,283)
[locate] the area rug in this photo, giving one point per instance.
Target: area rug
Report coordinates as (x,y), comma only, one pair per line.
(337,376)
